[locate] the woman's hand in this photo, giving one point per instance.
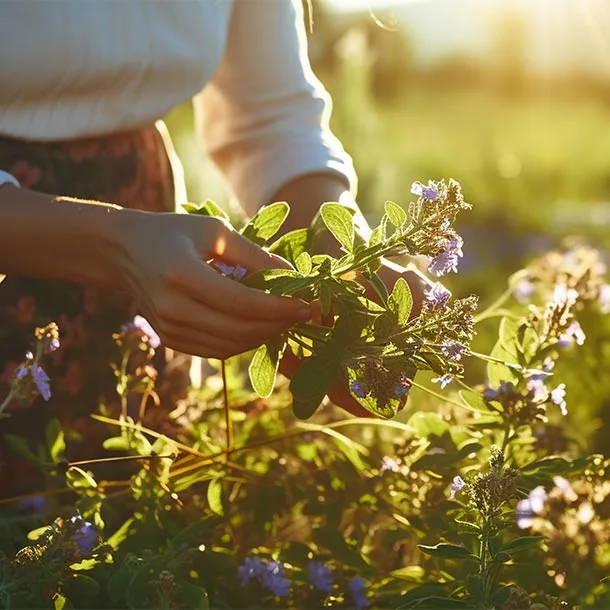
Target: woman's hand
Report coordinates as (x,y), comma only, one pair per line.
(194,309)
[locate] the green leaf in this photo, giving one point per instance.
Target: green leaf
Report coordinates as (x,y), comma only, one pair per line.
(278,281)
(428,424)
(396,215)
(207,208)
(291,244)
(304,409)
(215,497)
(501,596)
(192,597)
(521,543)
(401,301)
(314,378)
(476,587)
(497,371)
(410,573)
(303,263)
(79,479)
(266,222)
(20,446)
(436,603)
(445,550)
(55,439)
(325,294)
(116,443)
(264,366)
(339,221)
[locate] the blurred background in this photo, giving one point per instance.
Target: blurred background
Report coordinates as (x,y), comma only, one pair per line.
(509,97)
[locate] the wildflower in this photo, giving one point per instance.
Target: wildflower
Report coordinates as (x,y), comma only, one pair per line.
(48,337)
(573,334)
(387,463)
(558,398)
(320,576)
(443,381)
(562,295)
(453,350)
(273,579)
(490,394)
(252,567)
(356,588)
(85,537)
(437,297)
(536,387)
(40,378)
(430,192)
(524,290)
(456,486)
(236,272)
(447,260)
(531,506)
(141,324)
(566,489)
(359,388)
(604,298)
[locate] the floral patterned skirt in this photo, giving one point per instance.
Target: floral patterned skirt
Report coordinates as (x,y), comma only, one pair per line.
(131,169)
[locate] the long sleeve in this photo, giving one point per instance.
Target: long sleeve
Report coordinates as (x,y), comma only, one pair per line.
(264,115)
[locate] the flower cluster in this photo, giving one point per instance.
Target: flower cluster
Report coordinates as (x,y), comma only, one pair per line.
(140,330)
(236,272)
(320,576)
(270,574)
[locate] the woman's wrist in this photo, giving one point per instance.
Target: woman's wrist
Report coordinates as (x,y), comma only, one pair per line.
(60,239)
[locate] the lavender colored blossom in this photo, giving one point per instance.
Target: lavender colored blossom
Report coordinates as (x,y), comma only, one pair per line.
(320,576)
(443,381)
(356,588)
(456,486)
(531,506)
(524,290)
(273,579)
(236,272)
(21,373)
(141,324)
(53,344)
(536,386)
(453,350)
(558,396)
(448,259)
(252,567)
(41,379)
(573,334)
(86,536)
(359,388)
(429,192)
(490,394)
(437,297)
(387,463)
(566,489)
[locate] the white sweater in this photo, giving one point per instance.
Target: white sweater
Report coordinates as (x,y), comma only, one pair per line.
(74,68)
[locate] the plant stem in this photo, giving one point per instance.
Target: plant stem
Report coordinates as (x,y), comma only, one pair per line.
(7,400)
(495,305)
(225,395)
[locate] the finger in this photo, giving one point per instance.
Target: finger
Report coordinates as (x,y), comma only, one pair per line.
(199,281)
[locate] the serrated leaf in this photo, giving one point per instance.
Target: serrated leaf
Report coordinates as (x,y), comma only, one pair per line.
(214,496)
(264,366)
(340,223)
(314,377)
(266,222)
(445,550)
(521,543)
(400,301)
(396,215)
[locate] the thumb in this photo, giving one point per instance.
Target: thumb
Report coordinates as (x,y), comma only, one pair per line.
(235,249)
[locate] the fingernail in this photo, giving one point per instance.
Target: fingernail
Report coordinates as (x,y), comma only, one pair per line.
(304,314)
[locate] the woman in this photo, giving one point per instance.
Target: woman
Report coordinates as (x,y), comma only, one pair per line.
(87,196)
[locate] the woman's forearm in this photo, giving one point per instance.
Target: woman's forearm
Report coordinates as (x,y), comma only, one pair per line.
(56,238)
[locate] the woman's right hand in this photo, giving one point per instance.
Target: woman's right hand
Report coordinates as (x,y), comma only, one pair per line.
(193,308)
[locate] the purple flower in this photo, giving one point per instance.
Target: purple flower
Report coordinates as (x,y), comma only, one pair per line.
(453,350)
(356,588)
(142,324)
(53,344)
(490,394)
(573,334)
(437,296)
(86,537)
(252,567)
(536,387)
(22,371)
(443,381)
(558,396)
(34,504)
(387,463)
(273,579)
(237,272)
(456,486)
(40,378)
(524,290)
(448,259)
(530,507)
(430,192)
(359,388)
(320,576)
